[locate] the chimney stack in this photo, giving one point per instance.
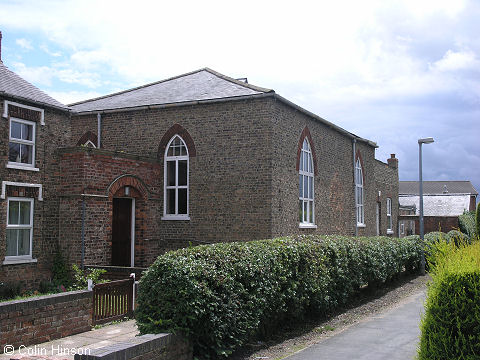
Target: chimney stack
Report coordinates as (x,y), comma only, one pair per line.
(0,46)
(393,161)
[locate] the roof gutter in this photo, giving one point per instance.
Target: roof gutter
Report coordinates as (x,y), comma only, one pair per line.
(20,98)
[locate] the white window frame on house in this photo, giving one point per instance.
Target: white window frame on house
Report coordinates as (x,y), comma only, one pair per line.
(306,195)
(176,187)
(389,216)
(20,165)
(360,211)
(17,259)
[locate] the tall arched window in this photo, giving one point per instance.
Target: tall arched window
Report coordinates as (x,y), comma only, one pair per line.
(176,180)
(306,204)
(359,192)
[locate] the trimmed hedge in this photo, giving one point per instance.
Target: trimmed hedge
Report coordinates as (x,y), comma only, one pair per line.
(451,324)
(219,296)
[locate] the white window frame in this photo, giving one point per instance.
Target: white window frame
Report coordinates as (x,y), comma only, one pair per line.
(32,143)
(306,160)
(168,158)
(389,216)
(359,199)
(15,259)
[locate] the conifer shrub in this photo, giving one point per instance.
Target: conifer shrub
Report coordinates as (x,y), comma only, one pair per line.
(451,327)
(219,296)
(466,223)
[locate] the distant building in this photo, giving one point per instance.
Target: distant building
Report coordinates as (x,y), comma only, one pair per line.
(443,202)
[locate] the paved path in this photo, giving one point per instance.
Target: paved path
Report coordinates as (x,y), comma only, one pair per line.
(81,343)
(391,335)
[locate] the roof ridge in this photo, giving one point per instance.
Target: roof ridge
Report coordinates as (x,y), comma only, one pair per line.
(213,72)
(238,82)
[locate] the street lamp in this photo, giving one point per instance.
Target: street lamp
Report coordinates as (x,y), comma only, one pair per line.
(428,140)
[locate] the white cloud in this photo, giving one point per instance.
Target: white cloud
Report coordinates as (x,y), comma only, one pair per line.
(24,44)
(41,75)
(453,61)
(49,52)
(70,97)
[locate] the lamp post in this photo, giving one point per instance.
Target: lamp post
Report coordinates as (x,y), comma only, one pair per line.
(428,140)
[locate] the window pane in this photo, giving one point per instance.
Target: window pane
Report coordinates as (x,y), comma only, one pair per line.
(311,163)
(310,187)
(300,211)
(24,213)
(27,132)
(171,201)
(300,187)
(182,201)
(170,151)
(26,152)
(183,149)
(305,160)
(170,173)
(12,242)
(305,206)
(24,242)
(182,172)
(13,212)
(305,186)
(16,130)
(301,160)
(14,152)
(311,212)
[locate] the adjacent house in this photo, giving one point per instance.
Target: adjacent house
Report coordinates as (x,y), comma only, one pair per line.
(443,202)
(194,159)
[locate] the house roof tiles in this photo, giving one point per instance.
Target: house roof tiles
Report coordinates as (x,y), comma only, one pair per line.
(437,188)
(13,85)
(203,84)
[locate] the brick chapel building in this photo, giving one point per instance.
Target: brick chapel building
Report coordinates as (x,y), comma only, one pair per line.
(194,159)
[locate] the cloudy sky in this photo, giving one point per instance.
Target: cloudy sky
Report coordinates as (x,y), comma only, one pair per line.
(389,71)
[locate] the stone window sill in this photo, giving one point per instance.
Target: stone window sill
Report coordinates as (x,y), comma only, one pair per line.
(307,226)
(21,167)
(16,261)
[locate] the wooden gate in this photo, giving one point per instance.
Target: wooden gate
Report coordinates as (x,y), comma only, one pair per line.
(112,301)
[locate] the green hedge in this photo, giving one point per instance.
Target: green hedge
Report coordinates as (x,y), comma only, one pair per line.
(451,324)
(220,296)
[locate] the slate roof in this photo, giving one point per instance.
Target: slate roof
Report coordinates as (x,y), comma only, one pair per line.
(437,188)
(200,85)
(13,85)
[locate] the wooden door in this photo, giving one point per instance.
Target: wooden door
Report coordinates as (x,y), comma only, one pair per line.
(121,232)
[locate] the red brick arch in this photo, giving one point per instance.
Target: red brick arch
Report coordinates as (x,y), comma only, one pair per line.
(306,134)
(177,129)
(128,180)
(86,137)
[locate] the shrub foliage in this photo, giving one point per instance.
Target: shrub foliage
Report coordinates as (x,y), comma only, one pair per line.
(466,223)
(451,326)
(220,296)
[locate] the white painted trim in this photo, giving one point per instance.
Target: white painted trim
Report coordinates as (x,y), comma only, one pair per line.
(11,165)
(307,226)
(7,102)
(91,143)
(132,236)
(32,143)
(23,226)
(306,170)
(176,217)
(14,260)
(361,225)
(13,183)
(167,158)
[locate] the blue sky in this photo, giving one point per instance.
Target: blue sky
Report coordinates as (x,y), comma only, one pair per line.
(389,71)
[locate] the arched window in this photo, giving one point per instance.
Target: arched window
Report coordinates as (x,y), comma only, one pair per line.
(306,204)
(359,192)
(176,180)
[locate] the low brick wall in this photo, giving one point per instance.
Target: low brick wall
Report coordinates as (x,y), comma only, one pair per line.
(145,347)
(45,318)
